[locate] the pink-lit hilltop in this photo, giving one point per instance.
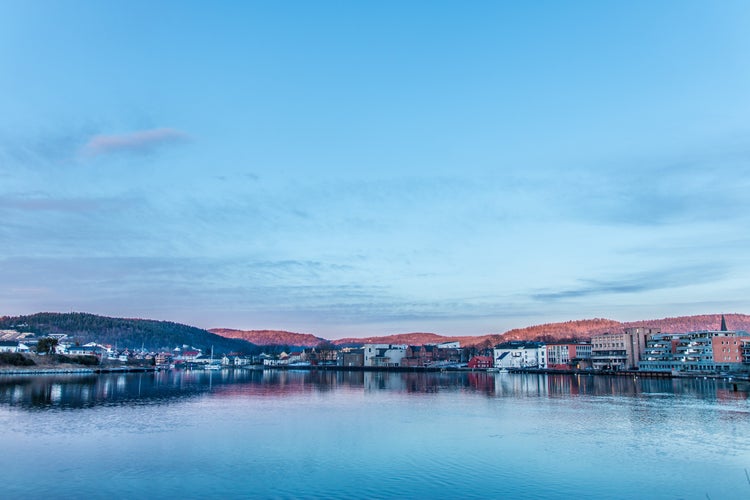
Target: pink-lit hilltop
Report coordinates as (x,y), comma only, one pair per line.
(578,329)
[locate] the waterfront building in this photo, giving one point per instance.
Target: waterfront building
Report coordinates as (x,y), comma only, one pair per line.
(419,355)
(351,357)
(520,354)
(106,349)
(447,356)
(295,357)
(386,355)
(86,351)
(321,355)
(705,351)
(563,356)
(163,359)
(12,346)
(660,351)
(189,355)
(620,351)
(480,362)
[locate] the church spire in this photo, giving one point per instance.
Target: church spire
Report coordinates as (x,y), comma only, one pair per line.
(723,324)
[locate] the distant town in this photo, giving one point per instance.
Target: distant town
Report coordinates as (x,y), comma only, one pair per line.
(719,352)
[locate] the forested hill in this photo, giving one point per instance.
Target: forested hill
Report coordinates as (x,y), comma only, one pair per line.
(270,337)
(123,332)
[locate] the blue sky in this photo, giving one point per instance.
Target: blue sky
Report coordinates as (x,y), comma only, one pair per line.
(359,168)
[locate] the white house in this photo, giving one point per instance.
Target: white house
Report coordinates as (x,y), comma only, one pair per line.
(85,351)
(449,345)
(8,346)
(520,354)
(384,354)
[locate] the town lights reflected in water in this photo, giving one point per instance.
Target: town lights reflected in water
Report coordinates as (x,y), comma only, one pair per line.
(286,434)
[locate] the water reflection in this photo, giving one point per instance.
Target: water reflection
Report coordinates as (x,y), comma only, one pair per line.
(87,391)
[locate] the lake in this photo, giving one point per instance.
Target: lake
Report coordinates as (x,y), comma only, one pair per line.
(302,434)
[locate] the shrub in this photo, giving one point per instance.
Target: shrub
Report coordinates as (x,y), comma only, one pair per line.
(15,359)
(79,360)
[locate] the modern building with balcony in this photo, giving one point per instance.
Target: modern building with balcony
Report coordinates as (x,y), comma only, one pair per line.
(705,351)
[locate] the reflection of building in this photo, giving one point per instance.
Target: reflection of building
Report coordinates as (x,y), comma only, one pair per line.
(620,351)
(520,354)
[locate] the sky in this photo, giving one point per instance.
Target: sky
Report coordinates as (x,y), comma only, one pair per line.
(363,168)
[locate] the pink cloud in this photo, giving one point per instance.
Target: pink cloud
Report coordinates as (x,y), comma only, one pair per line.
(141,142)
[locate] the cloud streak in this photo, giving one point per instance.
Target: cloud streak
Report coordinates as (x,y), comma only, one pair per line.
(139,142)
(638,283)
(64,205)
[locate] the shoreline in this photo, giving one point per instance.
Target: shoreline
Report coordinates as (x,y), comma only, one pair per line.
(81,371)
(31,371)
(744,377)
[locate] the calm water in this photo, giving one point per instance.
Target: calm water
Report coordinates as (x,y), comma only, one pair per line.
(272,434)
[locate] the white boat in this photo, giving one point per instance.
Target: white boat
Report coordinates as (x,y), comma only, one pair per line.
(213,365)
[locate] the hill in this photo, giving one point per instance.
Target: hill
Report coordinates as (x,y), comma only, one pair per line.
(270,337)
(419,339)
(400,338)
(578,329)
(124,332)
(549,332)
(584,329)
(133,333)
(683,324)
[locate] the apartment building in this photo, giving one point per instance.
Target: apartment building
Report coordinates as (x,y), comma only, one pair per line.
(560,356)
(620,351)
(706,351)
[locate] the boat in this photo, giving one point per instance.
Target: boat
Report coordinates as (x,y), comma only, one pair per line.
(497,369)
(213,365)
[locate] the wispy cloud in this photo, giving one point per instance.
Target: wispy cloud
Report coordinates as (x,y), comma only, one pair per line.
(42,203)
(139,142)
(638,283)
(654,193)
(46,147)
